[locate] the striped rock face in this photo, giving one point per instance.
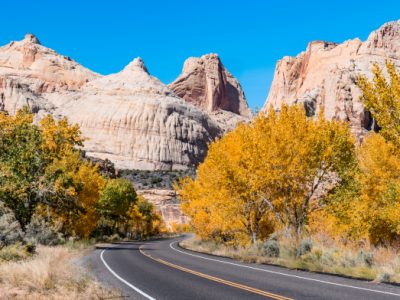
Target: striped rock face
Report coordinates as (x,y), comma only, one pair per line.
(29,72)
(135,121)
(323,76)
(207,84)
(129,117)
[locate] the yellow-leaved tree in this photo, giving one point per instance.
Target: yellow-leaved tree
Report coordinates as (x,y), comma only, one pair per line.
(267,175)
(376,202)
(382,98)
(144,220)
(368,205)
(76,187)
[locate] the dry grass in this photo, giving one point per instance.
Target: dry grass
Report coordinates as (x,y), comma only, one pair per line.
(49,275)
(377,264)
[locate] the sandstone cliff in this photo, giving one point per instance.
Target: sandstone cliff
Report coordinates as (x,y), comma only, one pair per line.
(166,204)
(135,121)
(130,117)
(324,76)
(29,72)
(207,84)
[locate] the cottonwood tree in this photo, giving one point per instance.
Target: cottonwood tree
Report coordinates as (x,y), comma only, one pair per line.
(41,170)
(381,97)
(144,220)
(378,202)
(267,174)
(377,197)
(22,163)
(115,200)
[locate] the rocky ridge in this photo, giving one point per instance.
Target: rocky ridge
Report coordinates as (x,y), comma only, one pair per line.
(206,83)
(129,117)
(29,72)
(324,76)
(167,206)
(135,121)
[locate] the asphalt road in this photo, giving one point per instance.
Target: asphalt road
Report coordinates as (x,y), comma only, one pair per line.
(162,270)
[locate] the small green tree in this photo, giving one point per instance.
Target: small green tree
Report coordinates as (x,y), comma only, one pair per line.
(115,200)
(41,171)
(144,219)
(21,164)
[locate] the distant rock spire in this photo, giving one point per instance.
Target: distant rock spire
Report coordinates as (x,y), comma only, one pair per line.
(31,38)
(206,83)
(137,63)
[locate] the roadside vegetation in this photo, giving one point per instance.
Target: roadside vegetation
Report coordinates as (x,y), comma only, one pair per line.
(157,179)
(301,192)
(52,195)
(49,274)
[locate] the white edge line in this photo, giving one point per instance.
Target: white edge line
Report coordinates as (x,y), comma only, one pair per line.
(285,274)
(123,280)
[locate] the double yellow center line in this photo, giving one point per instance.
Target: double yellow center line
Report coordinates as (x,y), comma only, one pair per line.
(216,279)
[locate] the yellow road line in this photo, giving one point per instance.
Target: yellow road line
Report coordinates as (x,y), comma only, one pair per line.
(216,279)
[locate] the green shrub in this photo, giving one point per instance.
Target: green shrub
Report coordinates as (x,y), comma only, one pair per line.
(30,248)
(366,257)
(271,248)
(156,180)
(10,230)
(42,232)
(304,247)
(16,252)
(385,277)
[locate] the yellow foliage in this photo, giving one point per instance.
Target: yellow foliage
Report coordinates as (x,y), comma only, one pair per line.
(59,136)
(179,227)
(382,98)
(144,220)
(8,122)
(75,181)
(379,180)
(81,183)
(264,176)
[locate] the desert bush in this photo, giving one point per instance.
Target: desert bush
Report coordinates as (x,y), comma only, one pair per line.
(271,248)
(10,230)
(385,277)
(366,257)
(336,259)
(304,247)
(156,180)
(42,232)
(49,275)
(16,252)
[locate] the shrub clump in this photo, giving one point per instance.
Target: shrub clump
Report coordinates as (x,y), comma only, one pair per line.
(385,277)
(304,247)
(41,232)
(17,251)
(366,257)
(271,248)
(10,230)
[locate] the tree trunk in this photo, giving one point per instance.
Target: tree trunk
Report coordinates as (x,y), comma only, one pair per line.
(254,238)
(249,227)
(255,228)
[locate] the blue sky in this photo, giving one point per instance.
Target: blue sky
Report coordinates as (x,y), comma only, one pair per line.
(250,36)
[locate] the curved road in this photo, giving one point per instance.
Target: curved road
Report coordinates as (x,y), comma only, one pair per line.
(162,270)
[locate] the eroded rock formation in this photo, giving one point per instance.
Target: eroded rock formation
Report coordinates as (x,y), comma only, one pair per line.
(166,204)
(324,76)
(29,72)
(129,117)
(137,122)
(206,83)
